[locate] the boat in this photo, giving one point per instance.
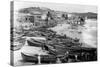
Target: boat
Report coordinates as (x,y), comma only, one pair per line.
(28,58)
(32,54)
(36,43)
(30,43)
(56,49)
(60,50)
(43,58)
(48,59)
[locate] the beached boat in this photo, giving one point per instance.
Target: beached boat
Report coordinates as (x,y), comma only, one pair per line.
(32,43)
(32,54)
(48,59)
(56,49)
(59,49)
(43,58)
(36,42)
(28,58)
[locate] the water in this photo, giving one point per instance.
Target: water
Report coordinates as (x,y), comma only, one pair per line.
(88,35)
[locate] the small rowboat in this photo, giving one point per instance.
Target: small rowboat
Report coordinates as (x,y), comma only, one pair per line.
(36,42)
(32,43)
(34,53)
(28,58)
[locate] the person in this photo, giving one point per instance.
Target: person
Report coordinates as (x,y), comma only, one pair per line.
(65,36)
(48,17)
(76,40)
(58,60)
(81,19)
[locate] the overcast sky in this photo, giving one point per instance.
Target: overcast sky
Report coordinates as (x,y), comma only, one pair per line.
(56,6)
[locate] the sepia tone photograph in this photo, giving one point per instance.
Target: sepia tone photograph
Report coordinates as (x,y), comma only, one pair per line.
(52,33)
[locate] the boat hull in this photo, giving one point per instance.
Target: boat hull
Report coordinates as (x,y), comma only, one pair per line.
(43,58)
(29,58)
(32,43)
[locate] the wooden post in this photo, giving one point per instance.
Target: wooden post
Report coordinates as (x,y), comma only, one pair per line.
(76,57)
(39,59)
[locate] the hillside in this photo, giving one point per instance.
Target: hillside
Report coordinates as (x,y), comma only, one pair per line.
(89,15)
(34,9)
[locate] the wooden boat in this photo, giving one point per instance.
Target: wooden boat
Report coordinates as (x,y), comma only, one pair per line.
(33,44)
(37,43)
(32,54)
(44,58)
(28,58)
(56,49)
(48,59)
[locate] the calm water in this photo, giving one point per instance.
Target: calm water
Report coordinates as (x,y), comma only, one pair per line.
(88,35)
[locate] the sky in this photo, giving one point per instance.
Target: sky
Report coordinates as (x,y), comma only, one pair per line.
(56,6)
